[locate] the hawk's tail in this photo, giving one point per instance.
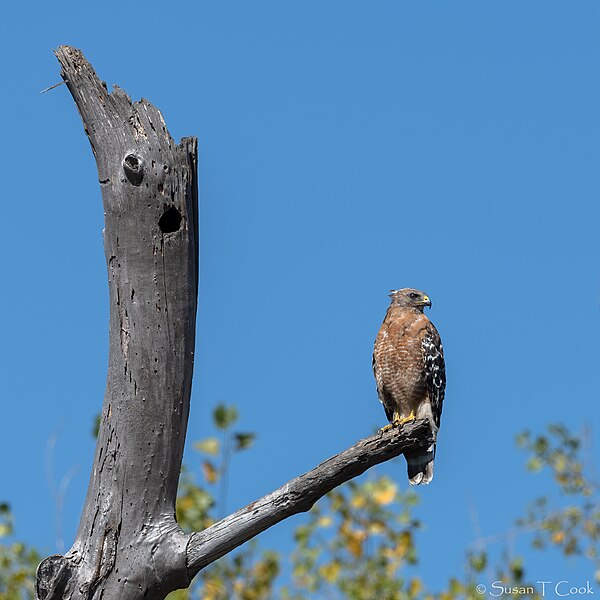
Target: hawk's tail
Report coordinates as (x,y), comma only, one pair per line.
(420,465)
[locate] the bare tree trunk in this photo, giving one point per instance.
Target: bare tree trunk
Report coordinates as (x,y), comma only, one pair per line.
(128,545)
(128,541)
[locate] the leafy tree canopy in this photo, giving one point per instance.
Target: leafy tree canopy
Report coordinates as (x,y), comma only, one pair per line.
(358,542)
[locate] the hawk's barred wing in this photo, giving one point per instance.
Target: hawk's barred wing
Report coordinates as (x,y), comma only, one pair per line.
(435,371)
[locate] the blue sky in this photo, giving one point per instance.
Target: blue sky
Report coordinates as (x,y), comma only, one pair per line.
(346,148)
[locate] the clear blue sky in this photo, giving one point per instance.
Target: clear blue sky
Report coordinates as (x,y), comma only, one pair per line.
(346,148)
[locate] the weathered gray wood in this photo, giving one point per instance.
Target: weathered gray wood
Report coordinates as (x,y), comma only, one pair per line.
(299,494)
(128,545)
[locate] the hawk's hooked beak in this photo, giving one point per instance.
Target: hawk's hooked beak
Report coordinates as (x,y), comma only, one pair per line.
(426,301)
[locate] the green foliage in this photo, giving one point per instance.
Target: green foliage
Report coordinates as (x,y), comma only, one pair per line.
(477,561)
(247,573)
(359,542)
(355,543)
(194,504)
(215,466)
(569,523)
(557,451)
(225,416)
(574,527)
(243,441)
(18,562)
(6,520)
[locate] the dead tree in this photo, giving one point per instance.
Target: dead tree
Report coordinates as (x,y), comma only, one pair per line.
(128,545)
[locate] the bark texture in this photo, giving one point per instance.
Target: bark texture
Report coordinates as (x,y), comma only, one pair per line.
(128,545)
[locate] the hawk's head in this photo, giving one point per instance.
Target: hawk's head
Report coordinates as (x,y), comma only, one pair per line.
(409,297)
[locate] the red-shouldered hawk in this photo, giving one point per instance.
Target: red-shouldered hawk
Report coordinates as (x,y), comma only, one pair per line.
(408,363)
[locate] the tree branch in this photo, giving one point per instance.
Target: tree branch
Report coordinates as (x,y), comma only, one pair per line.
(299,494)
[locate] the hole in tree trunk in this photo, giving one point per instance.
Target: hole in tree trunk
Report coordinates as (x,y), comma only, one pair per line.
(134,169)
(170,220)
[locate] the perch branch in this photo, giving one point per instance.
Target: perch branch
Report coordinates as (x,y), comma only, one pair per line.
(299,494)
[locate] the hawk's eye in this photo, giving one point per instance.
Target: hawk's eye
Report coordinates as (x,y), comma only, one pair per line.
(413,296)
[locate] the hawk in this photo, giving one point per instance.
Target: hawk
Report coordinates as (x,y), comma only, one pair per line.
(408,364)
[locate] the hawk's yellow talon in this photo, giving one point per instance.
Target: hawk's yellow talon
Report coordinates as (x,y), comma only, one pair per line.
(397,421)
(410,417)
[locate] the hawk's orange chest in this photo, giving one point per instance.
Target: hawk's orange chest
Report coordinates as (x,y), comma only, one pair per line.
(399,362)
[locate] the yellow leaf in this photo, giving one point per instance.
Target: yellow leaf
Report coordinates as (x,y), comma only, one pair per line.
(590,527)
(210,473)
(354,542)
(358,502)
(324,521)
(456,587)
(386,493)
(238,586)
(560,463)
(558,537)
(330,571)
(376,527)
(416,585)
(178,595)
(208,446)
(212,589)
(404,544)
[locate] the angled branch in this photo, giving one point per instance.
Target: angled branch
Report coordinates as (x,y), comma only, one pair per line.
(299,494)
